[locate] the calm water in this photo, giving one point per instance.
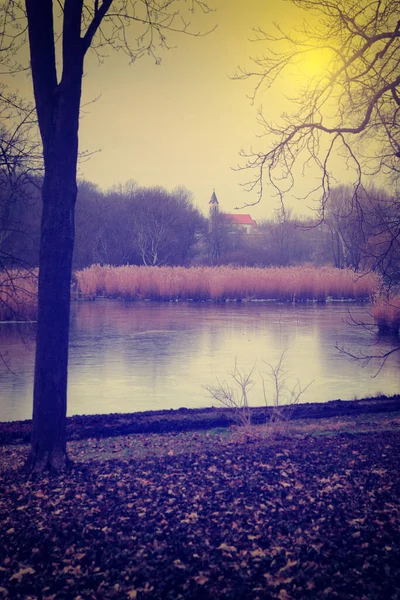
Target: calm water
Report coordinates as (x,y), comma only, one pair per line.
(129,357)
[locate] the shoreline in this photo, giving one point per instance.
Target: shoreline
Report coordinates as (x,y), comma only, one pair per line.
(99,426)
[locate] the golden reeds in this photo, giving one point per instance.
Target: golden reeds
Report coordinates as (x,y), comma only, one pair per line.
(18,288)
(386,312)
(291,284)
(18,295)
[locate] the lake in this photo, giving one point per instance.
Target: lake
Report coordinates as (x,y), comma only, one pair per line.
(127,357)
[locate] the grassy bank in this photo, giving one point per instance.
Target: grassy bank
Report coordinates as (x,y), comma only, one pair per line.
(82,427)
(225,283)
(223,514)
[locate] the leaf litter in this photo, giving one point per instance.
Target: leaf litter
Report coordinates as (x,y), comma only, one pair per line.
(206,515)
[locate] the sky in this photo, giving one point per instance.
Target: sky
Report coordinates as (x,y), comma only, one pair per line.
(184,122)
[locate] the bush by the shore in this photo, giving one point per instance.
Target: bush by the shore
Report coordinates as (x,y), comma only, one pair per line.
(386,312)
(18,295)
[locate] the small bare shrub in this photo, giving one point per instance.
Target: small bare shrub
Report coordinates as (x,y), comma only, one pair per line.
(235,395)
(284,396)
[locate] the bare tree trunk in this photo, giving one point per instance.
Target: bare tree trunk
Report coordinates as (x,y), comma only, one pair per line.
(57,106)
(50,390)
(48,450)
(57,94)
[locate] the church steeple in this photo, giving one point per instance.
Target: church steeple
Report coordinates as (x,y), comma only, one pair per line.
(213,204)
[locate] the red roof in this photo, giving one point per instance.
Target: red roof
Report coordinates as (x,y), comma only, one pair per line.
(240,220)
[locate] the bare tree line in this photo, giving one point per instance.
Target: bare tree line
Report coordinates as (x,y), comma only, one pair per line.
(350,110)
(151,226)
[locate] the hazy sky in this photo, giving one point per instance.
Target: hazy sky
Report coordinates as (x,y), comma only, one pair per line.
(185,121)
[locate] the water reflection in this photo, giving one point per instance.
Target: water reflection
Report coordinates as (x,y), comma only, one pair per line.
(127,357)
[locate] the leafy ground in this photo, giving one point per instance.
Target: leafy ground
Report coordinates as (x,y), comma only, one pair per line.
(312,512)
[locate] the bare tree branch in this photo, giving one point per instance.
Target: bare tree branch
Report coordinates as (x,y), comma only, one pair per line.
(350,110)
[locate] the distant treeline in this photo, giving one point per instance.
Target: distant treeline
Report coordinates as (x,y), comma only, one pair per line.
(153,227)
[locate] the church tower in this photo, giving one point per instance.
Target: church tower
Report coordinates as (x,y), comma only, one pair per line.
(214,204)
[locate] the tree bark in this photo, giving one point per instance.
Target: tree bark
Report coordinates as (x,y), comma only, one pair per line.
(57,106)
(48,450)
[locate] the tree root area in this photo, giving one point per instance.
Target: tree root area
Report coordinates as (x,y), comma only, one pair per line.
(255,518)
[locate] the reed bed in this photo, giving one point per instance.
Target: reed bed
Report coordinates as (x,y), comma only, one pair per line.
(289,284)
(18,295)
(18,288)
(386,312)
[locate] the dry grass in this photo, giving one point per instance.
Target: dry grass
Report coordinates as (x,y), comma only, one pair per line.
(18,295)
(225,283)
(386,312)
(18,288)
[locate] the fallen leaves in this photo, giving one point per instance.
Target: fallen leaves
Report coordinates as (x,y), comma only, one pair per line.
(200,579)
(227,548)
(287,520)
(21,573)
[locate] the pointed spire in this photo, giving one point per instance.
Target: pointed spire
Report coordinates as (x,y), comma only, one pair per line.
(214,199)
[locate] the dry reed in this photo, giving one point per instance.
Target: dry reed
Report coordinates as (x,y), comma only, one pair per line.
(18,295)
(290,284)
(18,288)
(386,312)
